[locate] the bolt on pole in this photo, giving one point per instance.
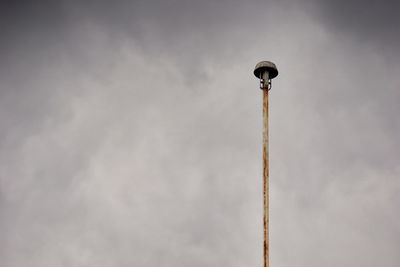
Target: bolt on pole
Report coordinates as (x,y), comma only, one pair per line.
(265,71)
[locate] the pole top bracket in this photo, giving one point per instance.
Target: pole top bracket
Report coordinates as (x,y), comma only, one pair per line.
(264,66)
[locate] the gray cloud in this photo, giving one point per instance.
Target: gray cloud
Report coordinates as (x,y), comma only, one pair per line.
(373,22)
(130,134)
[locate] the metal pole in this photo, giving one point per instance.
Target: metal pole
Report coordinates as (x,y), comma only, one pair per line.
(265,71)
(265,172)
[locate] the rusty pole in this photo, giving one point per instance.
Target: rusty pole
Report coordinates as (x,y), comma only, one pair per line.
(265,178)
(265,71)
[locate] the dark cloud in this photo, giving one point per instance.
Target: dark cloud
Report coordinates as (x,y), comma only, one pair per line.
(368,22)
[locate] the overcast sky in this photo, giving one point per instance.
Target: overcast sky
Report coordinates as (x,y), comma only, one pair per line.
(130,133)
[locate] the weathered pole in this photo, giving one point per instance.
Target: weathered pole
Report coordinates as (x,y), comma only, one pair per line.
(265,71)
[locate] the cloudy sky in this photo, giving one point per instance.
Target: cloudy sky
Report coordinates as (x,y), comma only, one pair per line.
(130,133)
